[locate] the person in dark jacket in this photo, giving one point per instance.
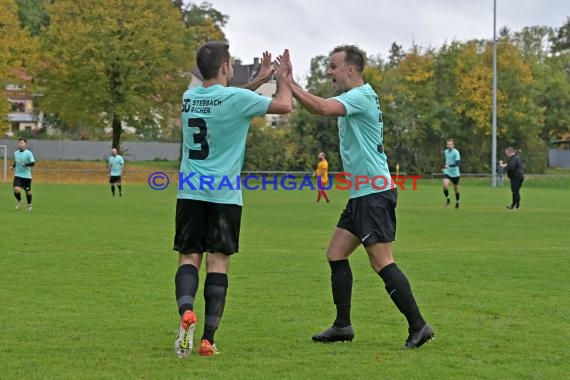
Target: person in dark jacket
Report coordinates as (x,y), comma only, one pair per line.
(515,173)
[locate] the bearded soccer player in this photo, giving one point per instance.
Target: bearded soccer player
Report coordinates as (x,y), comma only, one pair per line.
(215,120)
(369,217)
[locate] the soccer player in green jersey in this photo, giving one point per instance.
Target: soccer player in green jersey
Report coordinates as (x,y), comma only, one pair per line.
(23,162)
(116,165)
(451,172)
(369,217)
(215,122)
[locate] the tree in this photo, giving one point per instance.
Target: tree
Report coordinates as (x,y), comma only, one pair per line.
(202,16)
(407,97)
(543,50)
(519,117)
(561,42)
(33,15)
(114,62)
(205,22)
(553,85)
(265,149)
(430,96)
(17,53)
(553,92)
(396,54)
(534,43)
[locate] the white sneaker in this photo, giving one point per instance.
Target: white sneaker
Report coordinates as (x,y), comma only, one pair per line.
(18,205)
(29,207)
(185,340)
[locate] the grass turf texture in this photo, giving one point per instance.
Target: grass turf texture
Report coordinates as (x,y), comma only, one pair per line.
(87,287)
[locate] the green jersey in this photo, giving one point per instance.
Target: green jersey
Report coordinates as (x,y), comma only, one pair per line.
(116,164)
(215,122)
(452,158)
(361,133)
(21,158)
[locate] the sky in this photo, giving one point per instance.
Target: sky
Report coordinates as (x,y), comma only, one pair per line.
(309,28)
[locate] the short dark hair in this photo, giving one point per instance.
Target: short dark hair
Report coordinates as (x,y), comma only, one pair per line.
(353,55)
(210,57)
(22,139)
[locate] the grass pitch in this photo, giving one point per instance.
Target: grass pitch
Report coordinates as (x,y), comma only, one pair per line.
(87,287)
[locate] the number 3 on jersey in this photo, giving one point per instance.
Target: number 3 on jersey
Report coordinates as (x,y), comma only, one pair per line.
(199,138)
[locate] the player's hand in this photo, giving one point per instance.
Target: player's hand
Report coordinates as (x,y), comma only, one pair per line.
(266,68)
(284,68)
(277,62)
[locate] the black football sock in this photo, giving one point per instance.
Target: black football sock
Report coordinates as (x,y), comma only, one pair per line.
(186,282)
(341,283)
(113,189)
(446,193)
(29,199)
(120,189)
(400,292)
(457,197)
(18,196)
(517,200)
(215,290)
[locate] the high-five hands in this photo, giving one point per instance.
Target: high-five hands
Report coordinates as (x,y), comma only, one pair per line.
(283,66)
(266,69)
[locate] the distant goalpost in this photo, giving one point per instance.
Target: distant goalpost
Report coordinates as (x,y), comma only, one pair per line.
(4,149)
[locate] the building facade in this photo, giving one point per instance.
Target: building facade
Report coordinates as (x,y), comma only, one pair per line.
(23,116)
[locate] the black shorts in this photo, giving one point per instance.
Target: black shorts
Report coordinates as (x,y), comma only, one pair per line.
(372,218)
(115,179)
(24,183)
(206,227)
(454,180)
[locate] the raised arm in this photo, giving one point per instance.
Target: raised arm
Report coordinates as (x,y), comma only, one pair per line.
(316,104)
(282,102)
(266,71)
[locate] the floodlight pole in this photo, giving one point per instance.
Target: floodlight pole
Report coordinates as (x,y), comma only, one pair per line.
(494,130)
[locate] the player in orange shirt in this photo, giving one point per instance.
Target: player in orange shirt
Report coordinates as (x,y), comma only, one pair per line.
(323,176)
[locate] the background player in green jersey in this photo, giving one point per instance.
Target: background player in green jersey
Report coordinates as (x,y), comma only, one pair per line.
(23,162)
(215,122)
(451,172)
(116,165)
(369,217)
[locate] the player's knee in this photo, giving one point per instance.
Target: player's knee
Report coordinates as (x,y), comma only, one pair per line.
(190,258)
(335,255)
(379,262)
(217,262)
